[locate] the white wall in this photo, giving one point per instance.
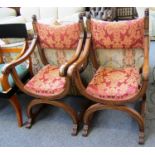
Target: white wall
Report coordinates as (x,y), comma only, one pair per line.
(140,11)
(152,22)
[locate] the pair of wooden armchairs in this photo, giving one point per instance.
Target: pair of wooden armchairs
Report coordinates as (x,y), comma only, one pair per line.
(118,51)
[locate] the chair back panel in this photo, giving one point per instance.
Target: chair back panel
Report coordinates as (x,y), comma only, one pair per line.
(53,56)
(118,44)
(116,35)
(58,57)
(36,61)
(59,36)
(57,43)
(120,58)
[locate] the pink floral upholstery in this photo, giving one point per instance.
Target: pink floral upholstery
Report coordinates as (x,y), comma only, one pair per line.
(115,84)
(58,36)
(47,82)
(122,34)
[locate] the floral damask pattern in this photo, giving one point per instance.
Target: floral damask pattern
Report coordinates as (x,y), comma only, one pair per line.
(129,58)
(58,36)
(47,82)
(112,58)
(61,57)
(111,84)
(36,61)
(58,57)
(122,34)
(120,58)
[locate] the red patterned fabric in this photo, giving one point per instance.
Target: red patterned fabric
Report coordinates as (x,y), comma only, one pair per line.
(112,84)
(59,36)
(47,82)
(122,34)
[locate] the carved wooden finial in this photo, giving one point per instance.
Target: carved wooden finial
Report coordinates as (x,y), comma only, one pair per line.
(81,16)
(147,12)
(34,18)
(146,22)
(88,16)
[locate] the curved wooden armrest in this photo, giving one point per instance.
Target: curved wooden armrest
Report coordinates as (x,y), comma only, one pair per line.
(145,71)
(145,67)
(6,69)
(82,58)
(64,67)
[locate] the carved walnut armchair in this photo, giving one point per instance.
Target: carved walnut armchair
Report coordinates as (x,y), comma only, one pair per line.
(10,54)
(58,46)
(120,55)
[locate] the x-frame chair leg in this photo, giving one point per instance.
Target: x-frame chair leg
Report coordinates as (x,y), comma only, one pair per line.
(72,113)
(98,106)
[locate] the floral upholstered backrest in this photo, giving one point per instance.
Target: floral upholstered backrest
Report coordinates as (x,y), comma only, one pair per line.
(58,36)
(123,34)
(118,44)
(58,41)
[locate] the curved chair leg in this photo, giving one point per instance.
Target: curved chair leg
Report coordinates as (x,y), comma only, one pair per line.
(87,120)
(143,106)
(142,112)
(15,103)
(62,105)
(123,108)
(84,108)
(32,116)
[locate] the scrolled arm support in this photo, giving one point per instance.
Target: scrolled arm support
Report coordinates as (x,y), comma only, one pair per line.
(145,67)
(63,69)
(82,58)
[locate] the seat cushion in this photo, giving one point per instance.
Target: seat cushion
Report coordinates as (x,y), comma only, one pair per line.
(47,82)
(118,84)
(21,71)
